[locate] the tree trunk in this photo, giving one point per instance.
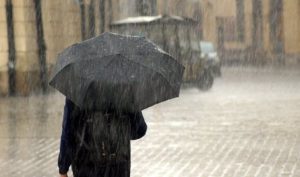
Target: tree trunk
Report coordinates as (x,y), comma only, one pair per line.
(11,49)
(41,45)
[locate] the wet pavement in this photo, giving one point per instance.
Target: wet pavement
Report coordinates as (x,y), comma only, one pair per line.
(248,125)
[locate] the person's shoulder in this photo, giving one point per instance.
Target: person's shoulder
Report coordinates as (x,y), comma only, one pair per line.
(69,102)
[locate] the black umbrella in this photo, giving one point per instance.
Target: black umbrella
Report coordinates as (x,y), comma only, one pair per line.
(125,72)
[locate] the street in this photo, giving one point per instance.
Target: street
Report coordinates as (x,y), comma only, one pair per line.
(247,125)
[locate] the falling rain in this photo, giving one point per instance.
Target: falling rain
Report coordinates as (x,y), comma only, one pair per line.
(214,84)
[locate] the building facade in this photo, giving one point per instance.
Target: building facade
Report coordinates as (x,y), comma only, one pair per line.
(255,31)
(20,65)
(21,33)
(29,44)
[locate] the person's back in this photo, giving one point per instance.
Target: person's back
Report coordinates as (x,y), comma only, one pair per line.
(102,141)
(98,143)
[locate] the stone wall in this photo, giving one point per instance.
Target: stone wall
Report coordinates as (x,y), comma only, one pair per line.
(62,27)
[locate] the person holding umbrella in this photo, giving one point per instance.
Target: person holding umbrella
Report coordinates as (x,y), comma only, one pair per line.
(107,81)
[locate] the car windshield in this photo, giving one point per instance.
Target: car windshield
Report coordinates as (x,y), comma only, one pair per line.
(207,47)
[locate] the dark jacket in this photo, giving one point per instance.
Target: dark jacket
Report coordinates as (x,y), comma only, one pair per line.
(138,127)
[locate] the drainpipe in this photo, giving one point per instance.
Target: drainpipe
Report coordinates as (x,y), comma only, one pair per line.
(41,45)
(11,48)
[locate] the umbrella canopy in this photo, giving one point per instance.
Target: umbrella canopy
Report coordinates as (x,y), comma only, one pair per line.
(112,70)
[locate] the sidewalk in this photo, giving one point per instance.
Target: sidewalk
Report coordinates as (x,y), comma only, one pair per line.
(246,126)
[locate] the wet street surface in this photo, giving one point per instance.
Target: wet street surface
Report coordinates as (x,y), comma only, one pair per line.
(247,125)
